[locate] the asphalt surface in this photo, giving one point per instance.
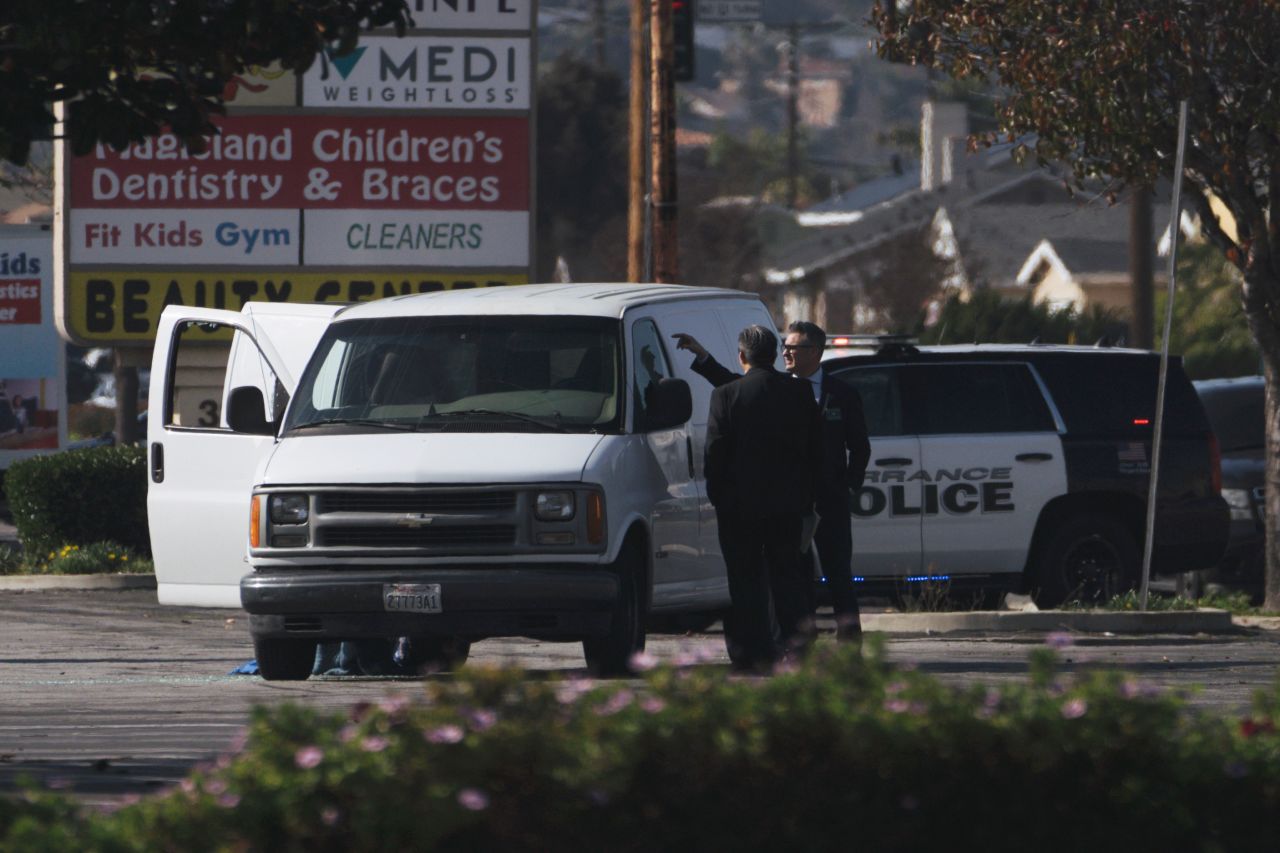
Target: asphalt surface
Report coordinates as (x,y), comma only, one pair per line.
(108,694)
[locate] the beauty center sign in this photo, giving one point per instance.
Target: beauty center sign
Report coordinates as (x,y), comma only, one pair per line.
(311,190)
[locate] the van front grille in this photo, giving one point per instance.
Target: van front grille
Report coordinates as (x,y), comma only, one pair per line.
(407,502)
(421,537)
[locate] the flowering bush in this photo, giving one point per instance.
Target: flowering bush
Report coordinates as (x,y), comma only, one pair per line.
(97,558)
(840,751)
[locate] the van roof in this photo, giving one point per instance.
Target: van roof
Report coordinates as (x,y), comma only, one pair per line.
(596,300)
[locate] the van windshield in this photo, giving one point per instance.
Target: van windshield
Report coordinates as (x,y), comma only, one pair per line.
(462,374)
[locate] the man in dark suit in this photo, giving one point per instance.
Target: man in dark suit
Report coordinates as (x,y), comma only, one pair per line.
(763,464)
(846,451)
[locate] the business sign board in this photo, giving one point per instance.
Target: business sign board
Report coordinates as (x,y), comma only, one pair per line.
(124,305)
(378,166)
(300,160)
(472,14)
(33,417)
(454,72)
(311,189)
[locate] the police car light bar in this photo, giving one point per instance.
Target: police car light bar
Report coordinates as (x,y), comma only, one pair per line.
(868,340)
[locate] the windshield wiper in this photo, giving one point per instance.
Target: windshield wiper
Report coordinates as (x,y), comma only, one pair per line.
(354,422)
(545,423)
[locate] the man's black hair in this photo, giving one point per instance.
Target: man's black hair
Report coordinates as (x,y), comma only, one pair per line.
(811,332)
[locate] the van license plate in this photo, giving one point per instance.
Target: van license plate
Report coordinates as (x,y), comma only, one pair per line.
(412,597)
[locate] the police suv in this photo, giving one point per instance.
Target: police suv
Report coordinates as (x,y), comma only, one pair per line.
(1026,468)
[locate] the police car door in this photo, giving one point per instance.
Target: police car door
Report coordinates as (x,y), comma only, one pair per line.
(201,472)
(992,458)
(886,510)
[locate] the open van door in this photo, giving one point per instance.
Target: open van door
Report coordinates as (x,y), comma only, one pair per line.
(201,471)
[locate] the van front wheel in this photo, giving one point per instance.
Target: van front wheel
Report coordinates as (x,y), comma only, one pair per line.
(284,659)
(611,654)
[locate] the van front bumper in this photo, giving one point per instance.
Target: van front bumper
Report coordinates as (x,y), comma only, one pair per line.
(476,602)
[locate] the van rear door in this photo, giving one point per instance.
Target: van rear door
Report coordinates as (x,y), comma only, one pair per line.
(201,473)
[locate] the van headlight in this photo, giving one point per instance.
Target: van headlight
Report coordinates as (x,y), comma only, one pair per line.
(289,509)
(553,506)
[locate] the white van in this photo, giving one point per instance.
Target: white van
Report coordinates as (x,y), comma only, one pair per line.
(522,461)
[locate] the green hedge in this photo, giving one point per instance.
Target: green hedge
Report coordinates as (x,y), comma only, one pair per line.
(843,753)
(80,497)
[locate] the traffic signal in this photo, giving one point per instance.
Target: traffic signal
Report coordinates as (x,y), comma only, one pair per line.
(682,36)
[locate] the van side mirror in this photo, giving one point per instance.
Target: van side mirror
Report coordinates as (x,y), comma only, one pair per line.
(246,411)
(668,404)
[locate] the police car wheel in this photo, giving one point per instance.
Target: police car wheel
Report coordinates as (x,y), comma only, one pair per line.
(611,654)
(284,659)
(1089,558)
(427,654)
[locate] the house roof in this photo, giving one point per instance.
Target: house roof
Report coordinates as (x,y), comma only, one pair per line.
(999,212)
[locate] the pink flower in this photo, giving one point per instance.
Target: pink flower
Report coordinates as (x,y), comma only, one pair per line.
(188,786)
(482,719)
(1074,709)
(615,703)
(572,690)
(394,706)
(229,801)
(652,704)
(216,787)
(329,816)
(444,734)
(348,733)
(897,706)
(374,743)
(643,662)
(308,757)
(895,687)
(1059,640)
(473,799)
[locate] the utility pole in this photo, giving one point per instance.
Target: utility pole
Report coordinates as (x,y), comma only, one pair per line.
(1141,249)
(597,31)
(793,114)
(638,177)
(662,129)
(126,381)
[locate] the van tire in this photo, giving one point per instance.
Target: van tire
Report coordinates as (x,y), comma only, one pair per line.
(427,654)
(1089,558)
(610,655)
(284,659)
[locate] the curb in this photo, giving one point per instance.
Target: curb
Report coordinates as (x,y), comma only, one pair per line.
(1094,622)
(38,583)
(981,621)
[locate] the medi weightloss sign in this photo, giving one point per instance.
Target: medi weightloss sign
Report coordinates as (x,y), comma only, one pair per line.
(311,189)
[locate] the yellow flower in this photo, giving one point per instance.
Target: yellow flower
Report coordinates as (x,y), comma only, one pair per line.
(111,556)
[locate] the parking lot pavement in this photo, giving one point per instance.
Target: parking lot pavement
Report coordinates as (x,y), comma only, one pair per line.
(112,694)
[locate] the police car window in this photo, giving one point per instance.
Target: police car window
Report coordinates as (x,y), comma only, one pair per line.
(881,401)
(648,364)
(978,398)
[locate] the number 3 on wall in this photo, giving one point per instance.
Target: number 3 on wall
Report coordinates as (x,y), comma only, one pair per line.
(209,416)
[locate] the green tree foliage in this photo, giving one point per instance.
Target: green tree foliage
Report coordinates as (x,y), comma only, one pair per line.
(1096,84)
(1209,328)
(987,318)
(582,168)
(757,166)
(129,68)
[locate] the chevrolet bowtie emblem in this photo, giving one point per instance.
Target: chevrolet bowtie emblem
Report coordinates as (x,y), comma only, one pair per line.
(416,520)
